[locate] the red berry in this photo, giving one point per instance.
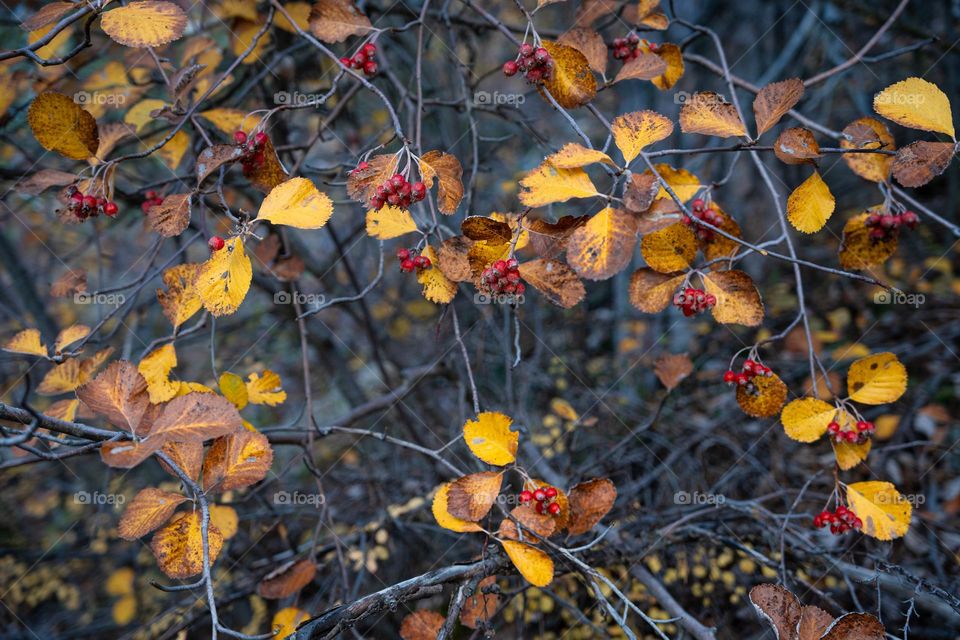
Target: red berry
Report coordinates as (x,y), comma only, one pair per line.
(425,262)
(238,136)
(526,496)
(345,62)
(403,253)
(554,508)
(539,495)
(407,265)
(215,243)
(77,197)
(550,492)
(742,379)
(520,289)
(510,68)
(110,209)
(526,50)
(260,139)
(89,202)
(697,204)
(539,508)
(833,427)
(370,68)
(369,50)
(541,55)
(729,376)
(358,60)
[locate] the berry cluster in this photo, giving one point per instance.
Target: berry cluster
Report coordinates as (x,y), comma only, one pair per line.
(409,262)
(886,226)
(840,521)
(152,199)
(84,207)
(545,498)
(253,151)
(503,276)
(750,370)
(215,243)
(693,301)
(860,434)
(703,212)
(396,191)
(536,63)
(629,48)
(364,59)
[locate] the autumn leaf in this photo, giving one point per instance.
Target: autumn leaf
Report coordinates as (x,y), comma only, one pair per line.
(362,182)
(119,394)
(646,66)
(766,399)
(854,626)
(145,23)
(774,101)
(436,287)
(796,145)
(421,625)
(548,184)
(589,43)
(920,162)
(287,579)
(490,438)
(555,280)
(286,620)
(223,280)
(480,606)
(443,517)
(389,222)
(571,82)
(806,419)
(916,103)
(212,158)
(446,170)
(884,511)
(535,526)
(126,454)
(810,205)
(632,132)
(850,454)
(868,133)
(296,203)
(334,21)
(181,300)
(589,503)
(604,245)
(532,563)
(573,155)
(186,455)
(672,369)
(171,217)
(26,342)
(149,509)
(155,368)
(877,379)
(196,416)
(237,460)
(472,496)
(707,113)
(670,249)
(234,389)
(265,389)
(60,124)
(673,56)
(652,291)
(178,547)
(777,606)
(858,250)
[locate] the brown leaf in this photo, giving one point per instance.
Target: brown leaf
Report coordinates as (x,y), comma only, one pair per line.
(287,579)
(481,228)
(270,172)
(212,158)
(446,167)
(421,625)
(858,250)
(148,510)
(188,456)
(333,21)
(480,606)
(920,162)
(646,66)
(72,281)
(855,626)
(672,368)
(555,280)
(288,269)
(589,502)
(171,217)
(267,249)
(178,547)
(549,239)
(738,301)
(708,113)
(45,179)
(571,82)
(651,291)
(196,416)
(119,394)
(541,525)
(868,133)
(796,145)
(47,15)
(237,460)
(471,497)
(362,183)
(604,245)
(126,454)
(453,260)
(767,401)
(590,44)
(112,134)
(639,191)
(777,606)
(773,102)
(813,623)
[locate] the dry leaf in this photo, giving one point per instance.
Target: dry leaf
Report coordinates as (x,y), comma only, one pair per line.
(334,21)
(589,502)
(868,133)
(571,82)
(796,145)
(555,280)
(590,44)
(148,510)
(779,607)
(119,394)
(178,547)
(738,301)
(707,113)
(421,625)
(651,291)
(646,66)
(472,496)
(774,101)
(920,162)
(145,23)
(672,369)
(171,217)
(287,579)
(446,168)
(634,131)
(603,246)
(237,460)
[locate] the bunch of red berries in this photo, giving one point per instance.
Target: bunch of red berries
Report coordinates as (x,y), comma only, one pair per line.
(545,498)
(840,521)
(215,243)
(409,262)
(886,226)
(152,199)
(84,207)
(701,211)
(503,276)
(536,63)
(253,151)
(693,301)
(750,370)
(629,48)
(397,192)
(363,59)
(858,435)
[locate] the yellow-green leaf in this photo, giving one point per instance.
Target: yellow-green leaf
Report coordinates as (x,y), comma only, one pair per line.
(296,203)
(224,279)
(810,205)
(490,438)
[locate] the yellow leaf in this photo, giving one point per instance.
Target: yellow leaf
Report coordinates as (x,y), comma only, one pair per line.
(573,155)
(858,250)
(225,519)
(70,335)
(850,454)
(876,379)
(66,410)
(155,368)
(670,249)
(884,511)
(60,124)
(124,610)
(296,203)
(770,395)
(244,32)
(810,205)
(634,131)
(63,378)
(299,11)
(446,170)
(148,510)
(265,389)
(868,133)
(738,301)
(224,279)
(707,113)
(917,104)
(604,246)
(674,58)
(389,222)
(443,517)
(547,184)
(533,564)
(120,582)
(230,121)
(237,460)
(471,497)
(286,621)
(806,419)
(233,389)
(436,286)
(172,152)
(28,342)
(490,438)
(651,291)
(180,301)
(145,23)
(139,114)
(684,184)
(571,81)
(178,547)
